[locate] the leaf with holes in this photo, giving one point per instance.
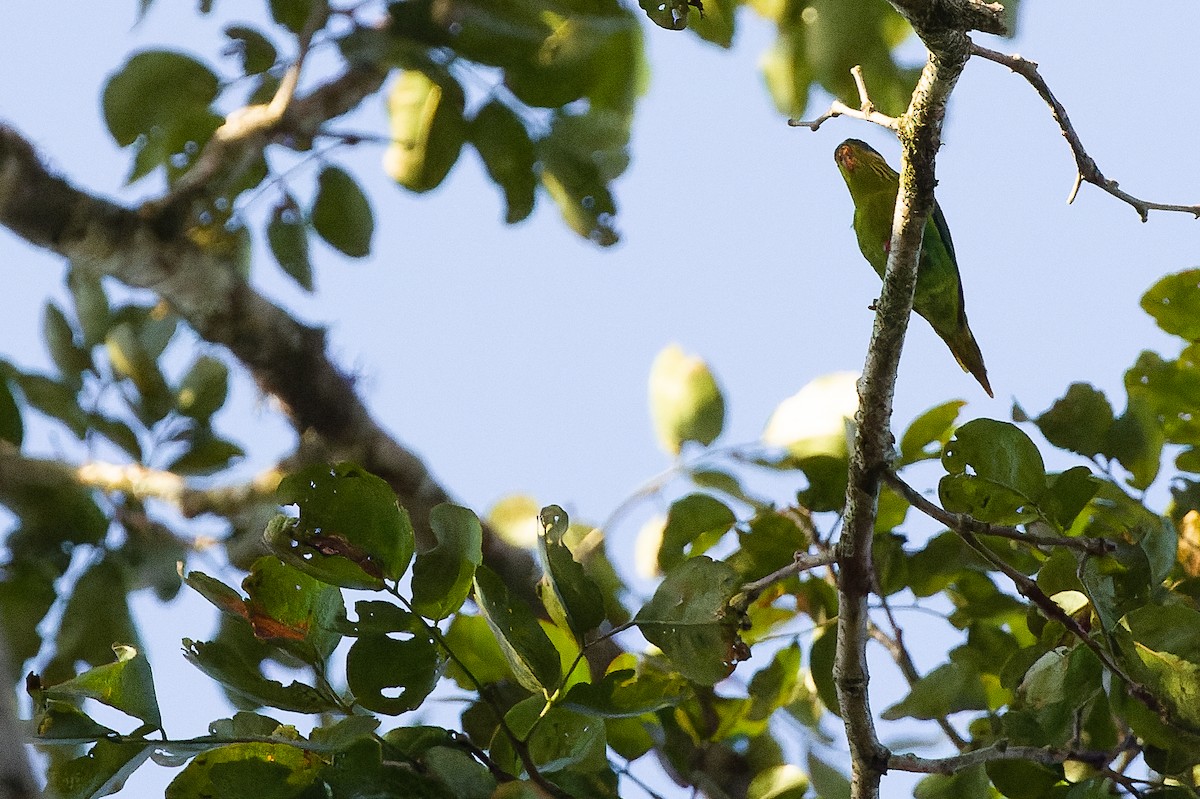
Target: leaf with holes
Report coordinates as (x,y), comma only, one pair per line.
(689,619)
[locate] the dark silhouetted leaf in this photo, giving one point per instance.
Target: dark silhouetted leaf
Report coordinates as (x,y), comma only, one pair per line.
(341,213)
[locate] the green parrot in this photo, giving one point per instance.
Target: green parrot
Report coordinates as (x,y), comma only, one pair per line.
(939,296)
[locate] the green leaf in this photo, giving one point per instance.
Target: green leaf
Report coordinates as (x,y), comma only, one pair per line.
(786,71)
(203,389)
(775,685)
(117,432)
(840,35)
(442,576)
(1068,494)
(1171,628)
(428,129)
(256,51)
(528,650)
(1006,477)
(287,236)
(91,305)
(464,776)
(351,531)
(686,403)
(1080,421)
(947,689)
(100,772)
(696,521)
(818,420)
(778,782)
(63,722)
(206,454)
(1174,302)
(291,14)
(625,693)
(54,399)
(394,674)
(820,666)
(502,141)
(220,595)
(126,685)
(669,14)
(569,594)
(341,213)
(261,770)
(828,782)
(718,22)
(1117,583)
(131,358)
(476,649)
(592,55)
(688,618)
(341,735)
(288,607)
(234,670)
(969,783)
(1176,683)
(12,429)
(579,156)
(1136,440)
(95,618)
(769,542)
(557,738)
(70,358)
(155,89)
(1172,389)
(929,432)
(361,772)
(1023,779)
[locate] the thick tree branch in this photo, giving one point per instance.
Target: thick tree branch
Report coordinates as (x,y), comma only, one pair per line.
(143,249)
(920,134)
(1086,169)
(961,522)
(932,18)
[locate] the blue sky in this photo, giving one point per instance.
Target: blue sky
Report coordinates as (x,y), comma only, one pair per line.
(514,359)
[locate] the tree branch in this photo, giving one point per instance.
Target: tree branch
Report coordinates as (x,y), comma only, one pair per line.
(1029,589)
(894,644)
(932,18)
(920,135)
(999,751)
(960,522)
(801,563)
(1086,169)
(142,249)
(865,111)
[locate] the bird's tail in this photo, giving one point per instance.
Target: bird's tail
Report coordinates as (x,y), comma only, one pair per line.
(966,351)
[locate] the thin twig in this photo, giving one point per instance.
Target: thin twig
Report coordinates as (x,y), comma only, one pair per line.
(998,751)
(1086,168)
(520,746)
(865,111)
(801,562)
(960,522)
(1032,591)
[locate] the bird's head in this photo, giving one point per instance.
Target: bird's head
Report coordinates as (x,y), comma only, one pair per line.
(862,166)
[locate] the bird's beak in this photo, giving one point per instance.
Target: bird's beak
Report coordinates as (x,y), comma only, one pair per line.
(844,155)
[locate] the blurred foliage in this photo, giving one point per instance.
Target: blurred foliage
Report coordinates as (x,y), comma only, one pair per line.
(342,621)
